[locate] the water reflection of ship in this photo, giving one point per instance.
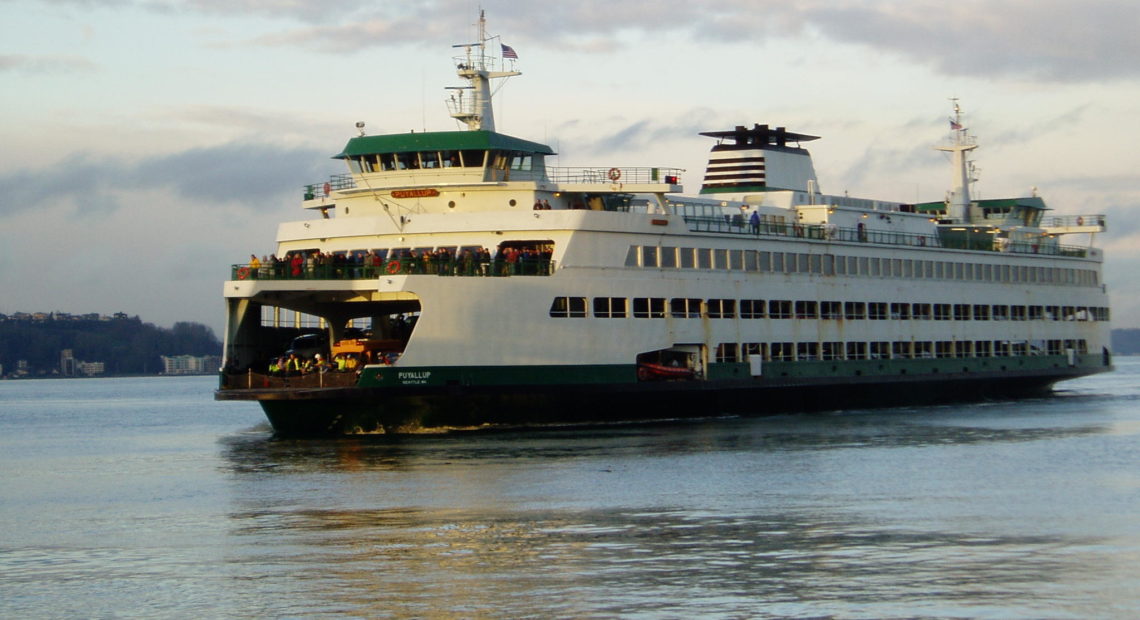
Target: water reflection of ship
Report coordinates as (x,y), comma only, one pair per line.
(253,453)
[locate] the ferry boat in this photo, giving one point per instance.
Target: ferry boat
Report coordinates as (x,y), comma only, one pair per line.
(458,281)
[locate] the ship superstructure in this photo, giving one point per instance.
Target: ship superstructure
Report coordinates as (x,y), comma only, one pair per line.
(455,279)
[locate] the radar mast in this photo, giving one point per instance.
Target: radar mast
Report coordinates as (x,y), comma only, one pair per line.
(959,143)
(471,104)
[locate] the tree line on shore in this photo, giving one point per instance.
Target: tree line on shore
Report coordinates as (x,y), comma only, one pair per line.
(125,345)
(1126,341)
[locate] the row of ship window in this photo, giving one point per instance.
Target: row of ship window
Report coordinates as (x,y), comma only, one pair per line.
(811,351)
(830,265)
(690,308)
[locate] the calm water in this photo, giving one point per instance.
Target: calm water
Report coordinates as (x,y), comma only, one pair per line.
(143,497)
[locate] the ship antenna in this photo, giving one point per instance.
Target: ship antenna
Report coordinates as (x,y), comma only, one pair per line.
(475,110)
(959,143)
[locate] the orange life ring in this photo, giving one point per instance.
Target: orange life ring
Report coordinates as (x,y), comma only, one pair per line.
(393,267)
(242,273)
(614,174)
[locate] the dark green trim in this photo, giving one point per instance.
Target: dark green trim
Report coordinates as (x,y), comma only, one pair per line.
(398,376)
(439,141)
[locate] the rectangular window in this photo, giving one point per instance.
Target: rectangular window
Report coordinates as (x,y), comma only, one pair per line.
(704,258)
(572,307)
(751,261)
(720,259)
(687,258)
(922,312)
(807,351)
(983,348)
(783,351)
(944,348)
(981,312)
(880,350)
(806,310)
(1001,313)
(961,312)
(648,256)
(610,307)
(765,261)
(722,308)
(854,310)
(1017,313)
(669,257)
(832,310)
(683,308)
(751,308)
(780,309)
(924,350)
(901,350)
(942,312)
(877,311)
(736,260)
(726,352)
(831,350)
(900,312)
(648,307)
(856,350)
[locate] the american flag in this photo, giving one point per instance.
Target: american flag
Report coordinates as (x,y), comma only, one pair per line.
(509,52)
(955,125)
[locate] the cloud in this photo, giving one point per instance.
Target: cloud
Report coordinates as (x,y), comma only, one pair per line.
(246,174)
(1050,40)
(1045,40)
(41,65)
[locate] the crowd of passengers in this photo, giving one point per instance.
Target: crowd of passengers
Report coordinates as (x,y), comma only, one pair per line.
(315,264)
(293,365)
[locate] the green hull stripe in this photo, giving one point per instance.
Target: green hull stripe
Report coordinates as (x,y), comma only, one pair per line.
(396,376)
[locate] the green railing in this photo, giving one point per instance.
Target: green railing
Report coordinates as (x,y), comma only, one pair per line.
(403,266)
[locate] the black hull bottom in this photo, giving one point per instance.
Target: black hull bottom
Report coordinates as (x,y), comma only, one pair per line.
(377,410)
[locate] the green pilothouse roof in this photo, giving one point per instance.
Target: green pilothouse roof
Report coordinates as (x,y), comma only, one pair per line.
(439,141)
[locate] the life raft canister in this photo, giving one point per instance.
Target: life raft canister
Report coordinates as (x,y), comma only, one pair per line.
(393,267)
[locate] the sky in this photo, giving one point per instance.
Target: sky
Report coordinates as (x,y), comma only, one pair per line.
(147,145)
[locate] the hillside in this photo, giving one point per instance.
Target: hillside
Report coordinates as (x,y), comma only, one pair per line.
(1126,341)
(125,345)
